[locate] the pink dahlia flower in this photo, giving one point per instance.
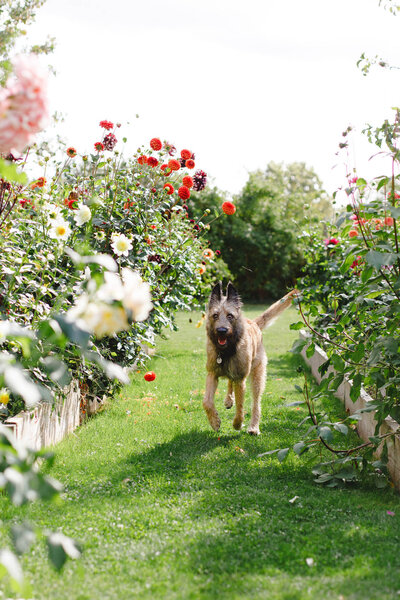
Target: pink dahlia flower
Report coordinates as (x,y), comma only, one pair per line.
(23,104)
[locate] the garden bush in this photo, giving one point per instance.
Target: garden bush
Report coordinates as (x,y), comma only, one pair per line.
(350,303)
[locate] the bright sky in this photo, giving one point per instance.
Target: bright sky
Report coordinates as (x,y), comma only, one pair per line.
(238,83)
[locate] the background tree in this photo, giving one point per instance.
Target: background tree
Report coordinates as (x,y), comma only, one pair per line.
(261,243)
(15,16)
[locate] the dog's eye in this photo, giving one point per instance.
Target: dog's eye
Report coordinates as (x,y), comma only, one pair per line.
(215,316)
(230,317)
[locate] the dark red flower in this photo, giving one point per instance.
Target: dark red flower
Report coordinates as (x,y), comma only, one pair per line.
(106,125)
(99,146)
(190,164)
(156,144)
(170,148)
(109,141)
(153,162)
(199,181)
(218,253)
(184,192)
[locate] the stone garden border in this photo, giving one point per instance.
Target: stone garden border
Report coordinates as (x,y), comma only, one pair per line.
(366,426)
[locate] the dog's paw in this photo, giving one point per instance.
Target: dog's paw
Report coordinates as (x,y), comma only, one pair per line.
(215,422)
(229,400)
(253,430)
(237,423)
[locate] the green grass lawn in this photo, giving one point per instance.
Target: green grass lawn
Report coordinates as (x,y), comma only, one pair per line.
(166,508)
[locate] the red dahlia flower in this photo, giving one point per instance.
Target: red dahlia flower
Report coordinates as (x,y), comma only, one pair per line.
(174,165)
(71,152)
(169,187)
(184,192)
(153,162)
(186,154)
(109,141)
(150,376)
(190,164)
(99,146)
(106,125)
(188,181)
(156,144)
(228,208)
(142,160)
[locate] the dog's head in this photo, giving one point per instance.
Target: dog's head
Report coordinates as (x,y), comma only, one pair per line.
(224,318)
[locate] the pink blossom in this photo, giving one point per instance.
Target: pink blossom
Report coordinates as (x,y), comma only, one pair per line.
(331,241)
(23,104)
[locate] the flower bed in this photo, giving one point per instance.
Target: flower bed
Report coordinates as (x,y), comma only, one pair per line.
(367,424)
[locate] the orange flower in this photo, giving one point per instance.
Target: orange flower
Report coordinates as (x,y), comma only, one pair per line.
(389,221)
(188,181)
(353,233)
(41,182)
(228,208)
(186,154)
(71,152)
(208,253)
(190,164)
(149,376)
(142,160)
(202,269)
(156,144)
(174,165)
(169,187)
(184,192)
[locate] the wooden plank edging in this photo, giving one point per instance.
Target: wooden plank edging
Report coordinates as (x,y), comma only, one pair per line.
(366,426)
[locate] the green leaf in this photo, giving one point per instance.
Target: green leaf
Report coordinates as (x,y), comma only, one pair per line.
(300,448)
(22,537)
(395,212)
(345,266)
(282,454)
(296,326)
(342,428)
(379,259)
(384,181)
(298,346)
(310,350)
(356,387)
(74,334)
(366,274)
(298,388)
(60,547)
(325,433)
(358,353)
(9,172)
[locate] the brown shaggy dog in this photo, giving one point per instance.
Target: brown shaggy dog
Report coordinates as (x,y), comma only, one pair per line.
(235,350)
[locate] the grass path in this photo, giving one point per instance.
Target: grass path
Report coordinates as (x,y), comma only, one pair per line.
(166,508)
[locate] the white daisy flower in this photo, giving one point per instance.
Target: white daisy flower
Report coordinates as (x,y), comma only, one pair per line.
(59,229)
(121,244)
(82,214)
(136,295)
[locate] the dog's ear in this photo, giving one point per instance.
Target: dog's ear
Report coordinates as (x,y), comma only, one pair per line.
(216,294)
(232,295)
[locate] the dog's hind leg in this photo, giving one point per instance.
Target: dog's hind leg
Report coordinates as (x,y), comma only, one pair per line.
(239,390)
(258,385)
(208,401)
(230,396)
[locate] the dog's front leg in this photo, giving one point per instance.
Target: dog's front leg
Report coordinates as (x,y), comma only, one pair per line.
(230,397)
(208,402)
(239,391)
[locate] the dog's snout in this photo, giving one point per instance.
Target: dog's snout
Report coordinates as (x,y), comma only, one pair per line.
(222,330)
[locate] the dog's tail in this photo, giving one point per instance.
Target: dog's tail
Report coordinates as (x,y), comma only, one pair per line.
(269,316)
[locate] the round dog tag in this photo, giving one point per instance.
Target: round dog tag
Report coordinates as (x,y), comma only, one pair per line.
(219,360)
